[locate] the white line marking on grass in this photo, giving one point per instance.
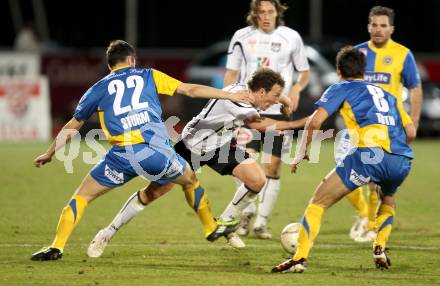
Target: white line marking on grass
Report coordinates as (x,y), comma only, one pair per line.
(205,245)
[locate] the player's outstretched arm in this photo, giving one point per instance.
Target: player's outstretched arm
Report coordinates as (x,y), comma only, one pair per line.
(61,139)
(203,91)
(263,123)
(314,122)
(287,104)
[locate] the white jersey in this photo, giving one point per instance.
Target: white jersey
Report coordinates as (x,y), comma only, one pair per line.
(213,126)
(281,50)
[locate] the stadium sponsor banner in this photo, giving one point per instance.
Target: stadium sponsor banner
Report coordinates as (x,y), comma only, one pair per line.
(71,75)
(24,110)
(23,65)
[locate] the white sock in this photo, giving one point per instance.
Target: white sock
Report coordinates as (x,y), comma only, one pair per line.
(242,198)
(251,209)
(267,199)
(238,182)
(131,208)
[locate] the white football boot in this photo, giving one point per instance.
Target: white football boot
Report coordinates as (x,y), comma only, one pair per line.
(359,227)
(243,228)
(235,241)
(98,244)
(261,232)
(366,236)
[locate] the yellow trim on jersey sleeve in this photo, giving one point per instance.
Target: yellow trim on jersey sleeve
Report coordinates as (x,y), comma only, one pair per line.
(374,135)
(164,83)
(130,138)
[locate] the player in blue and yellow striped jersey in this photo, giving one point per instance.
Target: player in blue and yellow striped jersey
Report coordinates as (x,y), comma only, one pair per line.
(127,101)
(391,66)
(382,154)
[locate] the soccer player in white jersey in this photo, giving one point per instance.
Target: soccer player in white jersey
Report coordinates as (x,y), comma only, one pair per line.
(266,42)
(208,140)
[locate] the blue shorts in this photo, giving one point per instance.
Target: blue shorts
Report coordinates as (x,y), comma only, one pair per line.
(374,165)
(121,164)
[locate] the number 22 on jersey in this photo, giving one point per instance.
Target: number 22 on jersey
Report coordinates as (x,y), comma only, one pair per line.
(117,86)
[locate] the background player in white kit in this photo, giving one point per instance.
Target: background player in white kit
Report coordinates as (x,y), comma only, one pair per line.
(266,42)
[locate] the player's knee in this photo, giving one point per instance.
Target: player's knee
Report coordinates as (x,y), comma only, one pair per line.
(143,196)
(322,200)
(389,200)
(192,179)
(188,179)
(88,196)
(259,185)
(255,184)
(373,187)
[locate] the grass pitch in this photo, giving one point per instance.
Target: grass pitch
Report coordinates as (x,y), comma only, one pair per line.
(165,245)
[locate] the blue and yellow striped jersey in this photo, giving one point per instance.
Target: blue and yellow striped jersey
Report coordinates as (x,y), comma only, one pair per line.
(370,114)
(128,105)
(391,67)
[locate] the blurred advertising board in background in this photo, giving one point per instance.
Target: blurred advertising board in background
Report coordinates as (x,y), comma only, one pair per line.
(24,99)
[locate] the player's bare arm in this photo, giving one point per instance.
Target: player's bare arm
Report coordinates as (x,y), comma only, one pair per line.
(287,103)
(411,132)
(263,123)
(314,122)
(231,76)
(301,83)
(67,132)
(416,98)
(202,91)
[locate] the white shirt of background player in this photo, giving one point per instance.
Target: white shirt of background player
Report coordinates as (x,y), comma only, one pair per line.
(279,48)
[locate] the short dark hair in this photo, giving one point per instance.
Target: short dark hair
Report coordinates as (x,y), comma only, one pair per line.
(118,51)
(251,18)
(265,78)
(350,62)
(382,11)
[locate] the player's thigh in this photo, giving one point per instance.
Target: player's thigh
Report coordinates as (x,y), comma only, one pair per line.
(114,170)
(109,173)
(251,174)
(90,189)
(330,190)
(391,172)
(172,168)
